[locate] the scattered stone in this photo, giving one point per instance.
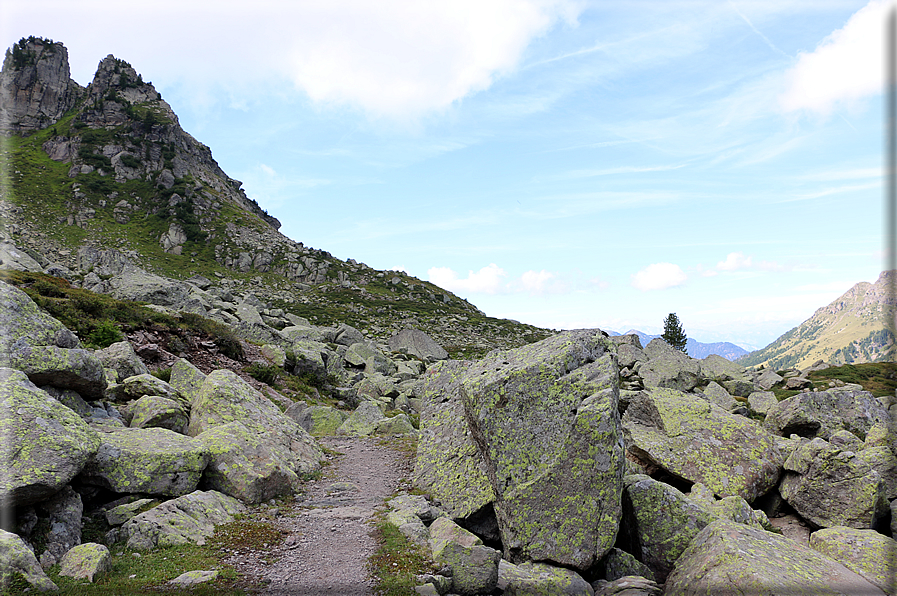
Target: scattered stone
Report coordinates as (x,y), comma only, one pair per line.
(194,578)
(86,561)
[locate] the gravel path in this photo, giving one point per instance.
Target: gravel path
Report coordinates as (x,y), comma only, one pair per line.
(328,538)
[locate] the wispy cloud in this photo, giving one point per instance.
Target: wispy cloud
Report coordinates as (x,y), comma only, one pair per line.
(771,45)
(659,276)
(590,173)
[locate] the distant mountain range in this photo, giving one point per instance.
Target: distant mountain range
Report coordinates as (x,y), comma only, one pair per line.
(850,330)
(694,348)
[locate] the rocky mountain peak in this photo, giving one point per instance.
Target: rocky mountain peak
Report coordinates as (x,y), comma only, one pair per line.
(36,88)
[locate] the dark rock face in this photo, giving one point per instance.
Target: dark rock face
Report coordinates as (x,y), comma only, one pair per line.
(35,86)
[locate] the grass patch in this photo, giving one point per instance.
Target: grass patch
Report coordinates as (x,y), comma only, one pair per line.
(151,571)
(396,561)
(878,378)
(245,534)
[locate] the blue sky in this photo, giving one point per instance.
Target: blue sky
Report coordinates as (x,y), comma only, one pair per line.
(567,164)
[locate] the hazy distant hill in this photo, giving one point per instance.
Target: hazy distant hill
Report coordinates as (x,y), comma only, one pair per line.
(696,349)
(850,330)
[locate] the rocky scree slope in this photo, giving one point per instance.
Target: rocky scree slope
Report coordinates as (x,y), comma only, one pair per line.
(108,166)
(856,328)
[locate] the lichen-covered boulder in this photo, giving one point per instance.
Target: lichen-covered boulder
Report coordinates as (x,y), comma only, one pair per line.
(668,367)
(539,579)
(320,421)
(189,519)
(86,561)
(831,487)
(766,379)
(43,444)
(257,452)
(186,379)
(717,394)
(762,401)
(363,420)
(121,358)
(545,418)
(660,522)
(137,386)
(620,563)
(153,461)
(474,566)
(396,425)
(417,343)
(119,514)
(866,552)
(40,346)
(716,368)
(698,441)
(154,411)
(76,369)
(69,398)
(373,361)
(882,460)
(17,561)
(822,413)
(730,558)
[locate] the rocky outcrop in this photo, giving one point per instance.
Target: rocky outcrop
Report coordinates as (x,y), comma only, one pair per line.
(36,88)
(822,413)
(418,344)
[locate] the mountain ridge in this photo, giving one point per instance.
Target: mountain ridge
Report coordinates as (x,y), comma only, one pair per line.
(857,327)
(109,167)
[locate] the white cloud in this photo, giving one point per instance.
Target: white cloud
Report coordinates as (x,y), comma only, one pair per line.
(487,280)
(659,276)
(535,282)
(394,58)
(845,67)
(734,261)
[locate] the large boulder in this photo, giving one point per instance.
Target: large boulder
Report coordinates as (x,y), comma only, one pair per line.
(186,379)
(766,379)
(43,444)
(866,552)
(257,452)
(536,579)
(135,387)
(448,465)
(154,461)
(545,419)
(365,355)
(668,367)
(189,519)
(154,411)
(823,413)
(121,358)
(320,420)
(832,487)
(716,368)
(417,343)
(474,566)
(17,560)
(698,441)
(730,558)
(363,421)
(660,522)
(133,283)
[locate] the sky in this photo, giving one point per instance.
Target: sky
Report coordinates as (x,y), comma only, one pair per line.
(563,163)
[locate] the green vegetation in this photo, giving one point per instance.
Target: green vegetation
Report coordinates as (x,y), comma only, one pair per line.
(396,561)
(151,571)
(673,333)
(879,378)
(100,320)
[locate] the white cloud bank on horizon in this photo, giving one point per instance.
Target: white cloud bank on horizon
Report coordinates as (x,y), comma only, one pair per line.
(845,67)
(492,279)
(659,276)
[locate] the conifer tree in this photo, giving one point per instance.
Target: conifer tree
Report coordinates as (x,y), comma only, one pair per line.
(673,333)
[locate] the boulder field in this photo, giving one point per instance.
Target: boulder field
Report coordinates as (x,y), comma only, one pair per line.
(580,464)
